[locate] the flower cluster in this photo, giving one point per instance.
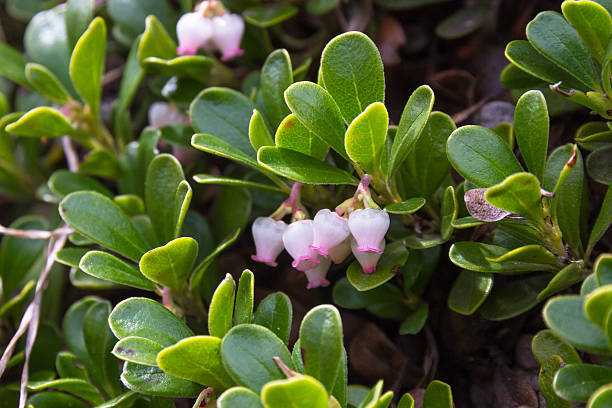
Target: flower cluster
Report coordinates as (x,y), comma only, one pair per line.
(329,237)
(210,28)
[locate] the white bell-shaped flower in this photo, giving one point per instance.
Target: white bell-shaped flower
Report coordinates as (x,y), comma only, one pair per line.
(227,34)
(268,237)
(316,276)
(163,114)
(297,239)
(193,31)
(339,253)
(369,227)
(330,230)
(367,259)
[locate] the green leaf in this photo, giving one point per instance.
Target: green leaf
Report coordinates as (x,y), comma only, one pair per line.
(45,83)
(552,36)
(597,305)
(54,399)
(299,392)
(415,321)
(514,77)
(481,156)
(411,125)
(13,65)
(130,204)
(221,310)
(245,294)
(366,137)
(42,122)
(137,350)
(270,14)
(588,285)
(87,64)
(155,41)
(519,194)
(352,72)
(275,313)
(409,206)
(601,398)
(531,130)
(153,381)
(107,267)
(133,75)
(77,387)
(248,353)
(566,277)
(427,164)
(231,211)
(214,145)
(276,77)
(340,386)
(197,359)
(226,114)
(64,182)
(101,220)
(131,15)
(406,401)
(464,21)
(199,271)
(469,291)
(100,162)
(226,181)
(577,382)
(548,369)
(170,265)
(65,365)
(599,165)
(318,112)
(259,135)
(239,397)
(564,315)
(392,259)
(448,212)
(291,134)
(167,196)
(78,15)
(438,395)
(603,269)
(513,298)
(197,67)
(142,317)
(299,167)
(592,23)
(320,6)
(546,344)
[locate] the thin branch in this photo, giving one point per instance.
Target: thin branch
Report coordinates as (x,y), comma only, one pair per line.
(71,155)
(35,234)
(112,75)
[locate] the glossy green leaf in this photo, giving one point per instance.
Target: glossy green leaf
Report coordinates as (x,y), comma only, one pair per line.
(548,369)
(170,265)
(226,181)
(601,398)
(108,267)
(45,83)
(564,315)
(546,344)
(137,350)
(197,359)
(352,72)
(197,67)
(64,182)
(121,400)
(17,303)
(269,14)
(481,156)
(299,167)
(469,291)
(566,277)
(42,122)
(291,134)
(415,321)
(55,399)
(100,219)
(552,36)
(275,313)
(366,137)
(259,135)
(531,130)
(409,206)
(599,165)
(593,135)
(438,395)
(221,310)
(245,294)
(390,262)
(78,15)
(597,305)
(318,112)
(299,392)
(519,194)
(167,196)
(276,77)
(225,114)
(340,386)
(239,397)
(153,381)
(513,298)
(448,212)
(100,162)
(411,125)
(248,353)
(592,23)
(214,145)
(13,66)
(87,64)
(321,343)
(142,317)
(577,382)
(155,41)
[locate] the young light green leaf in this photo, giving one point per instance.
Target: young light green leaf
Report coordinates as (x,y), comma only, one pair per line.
(45,83)
(548,369)
(107,267)
(563,279)
(275,312)
(100,162)
(299,392)
(603,269)
(519,194)
(438,395)
(598,304)
(42,122)
(170,265)
(137,350)
(601,398)
(239,397)
(87,64)
(366,137)
(243,311)
(276,77)
(259,135)
(546,344)
(592,23)
(531,130)
(291,134)
(221,310)
(155,41)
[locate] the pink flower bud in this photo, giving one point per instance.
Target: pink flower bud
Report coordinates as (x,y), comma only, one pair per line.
(367,259)
(297,239)
(227,34)
(369,227)
(268,237)
(163,114)
(193,31)
(329,230)
(340,251)
(316,275)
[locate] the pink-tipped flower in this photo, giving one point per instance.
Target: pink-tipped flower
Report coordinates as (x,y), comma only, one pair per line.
(316,275)
(227,34)
(329,230)
(163,114)
(193,31)
(297,239)
(339,253)
(367,259)
(268,237)
(369,227)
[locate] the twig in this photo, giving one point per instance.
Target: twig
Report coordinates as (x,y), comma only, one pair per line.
(71,156)
(35,234)
(112,75)
(464,114)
